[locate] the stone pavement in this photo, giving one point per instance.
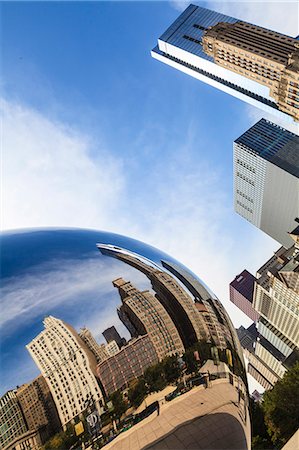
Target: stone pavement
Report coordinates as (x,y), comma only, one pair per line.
(200,419)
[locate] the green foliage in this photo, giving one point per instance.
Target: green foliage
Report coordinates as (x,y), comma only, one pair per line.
(154,378)
(171,369)
(137,393)
(281,407)
(260,436)
(62,440)
(191,363)
(260,443)
(119,404)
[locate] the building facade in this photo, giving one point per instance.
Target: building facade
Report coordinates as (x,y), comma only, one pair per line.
(12,420)
(241,294)
(275,299)
(27,441)
(265,56)
(111,334)
(98,350)
(129,363)
(112,348)
(266,179)
(148,316)
(249,62)
(39,408)
(68,367)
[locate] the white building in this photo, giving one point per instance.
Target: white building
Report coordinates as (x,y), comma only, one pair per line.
(112,348)
(98,350)
(266,179)
(180,46)
(68,367)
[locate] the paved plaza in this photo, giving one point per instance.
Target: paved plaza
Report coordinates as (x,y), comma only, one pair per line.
(200,419)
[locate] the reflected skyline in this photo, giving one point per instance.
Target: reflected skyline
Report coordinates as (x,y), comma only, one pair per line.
(171,332)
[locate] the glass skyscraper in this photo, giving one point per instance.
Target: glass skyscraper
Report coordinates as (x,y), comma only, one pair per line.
(266,179)
(244,60)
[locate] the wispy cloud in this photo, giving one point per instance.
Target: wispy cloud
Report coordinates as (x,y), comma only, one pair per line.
(66,285)
(49,176)
(279,15)
(50,179)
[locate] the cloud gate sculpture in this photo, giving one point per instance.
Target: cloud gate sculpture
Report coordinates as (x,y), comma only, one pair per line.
(136,352)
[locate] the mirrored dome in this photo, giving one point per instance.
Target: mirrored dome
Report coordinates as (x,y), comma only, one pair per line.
(134,350)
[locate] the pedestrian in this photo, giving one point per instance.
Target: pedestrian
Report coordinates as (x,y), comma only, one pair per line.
(158,408)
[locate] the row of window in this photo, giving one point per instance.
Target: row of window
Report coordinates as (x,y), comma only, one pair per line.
(244,196)
(247,166)
(244,206)
(243,177)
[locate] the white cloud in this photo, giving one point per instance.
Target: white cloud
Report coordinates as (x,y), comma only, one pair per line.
(278,15)
(49,177)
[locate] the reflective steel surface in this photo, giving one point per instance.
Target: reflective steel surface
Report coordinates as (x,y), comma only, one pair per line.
(178,371)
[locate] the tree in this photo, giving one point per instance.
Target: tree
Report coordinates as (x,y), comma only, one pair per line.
(154,378)
(281,407)
(171,369)
(62,440)
(191,363)
(137,392)
(260,436)
(119,404)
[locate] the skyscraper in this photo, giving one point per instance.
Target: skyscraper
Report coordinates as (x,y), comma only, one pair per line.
(68,367)
(275,298)
(241,293)
(111,334)
(39,408)
(12,420)
(266,179)
(97,349)
(148,316)
(247,61)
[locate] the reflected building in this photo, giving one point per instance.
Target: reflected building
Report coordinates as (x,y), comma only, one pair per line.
(252,63)
(68,367)
(128,364)
(39,408)
(12,420)
(147,316)
(98,350)
(111,334)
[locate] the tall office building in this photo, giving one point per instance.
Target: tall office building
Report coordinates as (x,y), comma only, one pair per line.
(39,408)
(276,299)
(252,63)
(148,316)
(241,293)
(248,336)
(260,371)
(12,420)
(111,334)
(178,303)
(98,350)
(266,179)
(68,367)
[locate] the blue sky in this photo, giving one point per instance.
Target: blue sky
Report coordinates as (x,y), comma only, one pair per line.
(97,134)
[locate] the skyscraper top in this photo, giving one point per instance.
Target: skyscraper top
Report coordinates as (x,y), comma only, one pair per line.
(250,62)
(274,144)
